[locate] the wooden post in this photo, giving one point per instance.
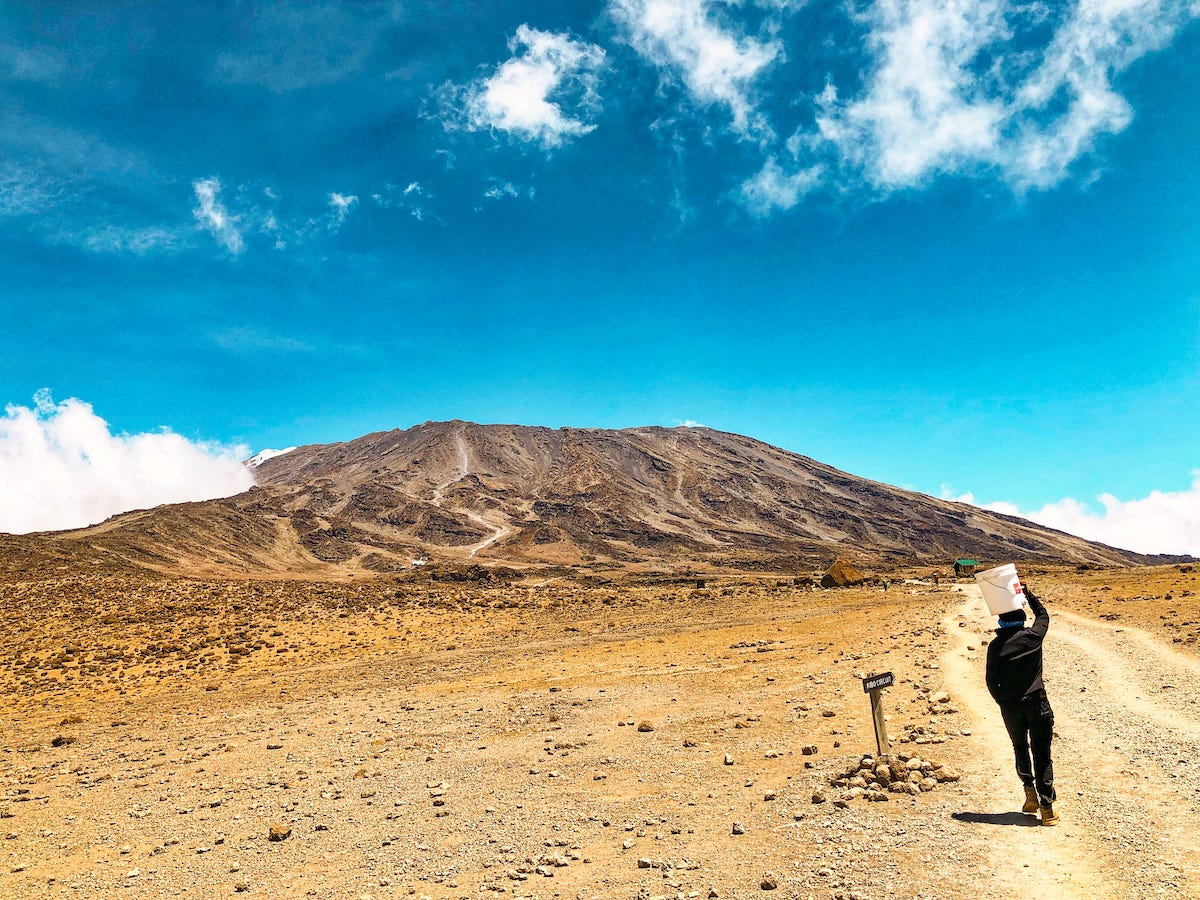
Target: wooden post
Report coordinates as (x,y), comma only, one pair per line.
(881,738)
(874,686)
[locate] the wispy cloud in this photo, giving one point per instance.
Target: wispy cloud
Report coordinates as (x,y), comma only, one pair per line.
(971,86)
(215,218)
(1161,522)
(243,339)
(26,191)
(290,46)
(62,467)
(413,197)
(717,63)
(339,208)
(138,240)
(546,94)
(500,189)
(924,108)
(772,189)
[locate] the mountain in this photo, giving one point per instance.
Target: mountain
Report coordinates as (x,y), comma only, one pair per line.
(522,496)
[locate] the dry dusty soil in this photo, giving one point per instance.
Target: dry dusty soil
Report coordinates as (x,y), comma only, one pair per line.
(557,741)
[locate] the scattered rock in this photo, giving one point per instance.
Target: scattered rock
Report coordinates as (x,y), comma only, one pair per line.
(279,831)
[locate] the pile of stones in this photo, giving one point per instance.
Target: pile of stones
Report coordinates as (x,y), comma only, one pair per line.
(874,777)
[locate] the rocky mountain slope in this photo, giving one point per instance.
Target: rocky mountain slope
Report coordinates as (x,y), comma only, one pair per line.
(519,495)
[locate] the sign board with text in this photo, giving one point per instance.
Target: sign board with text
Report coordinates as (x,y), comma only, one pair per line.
(875,682)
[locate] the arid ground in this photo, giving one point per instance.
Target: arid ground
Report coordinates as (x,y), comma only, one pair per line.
(554,740)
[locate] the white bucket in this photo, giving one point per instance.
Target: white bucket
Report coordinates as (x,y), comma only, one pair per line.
(1001,589)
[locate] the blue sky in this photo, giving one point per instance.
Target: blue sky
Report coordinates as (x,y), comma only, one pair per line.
(949,246)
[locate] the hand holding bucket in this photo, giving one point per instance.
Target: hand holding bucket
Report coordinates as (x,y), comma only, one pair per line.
(1001,588)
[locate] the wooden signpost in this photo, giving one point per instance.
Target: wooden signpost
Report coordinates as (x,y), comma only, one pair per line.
(874,686)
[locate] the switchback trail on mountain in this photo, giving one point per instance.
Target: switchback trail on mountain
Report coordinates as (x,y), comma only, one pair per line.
(1127,767)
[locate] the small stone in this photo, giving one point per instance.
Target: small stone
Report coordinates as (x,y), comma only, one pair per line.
(133,873)
(769,795)
(729,759)
(818,797)
(738,828)
(241,887)
(279,831)
(645,726)
(808,750)
(769,882)
(643,863)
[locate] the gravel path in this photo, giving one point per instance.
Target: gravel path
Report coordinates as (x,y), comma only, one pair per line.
(1126,762)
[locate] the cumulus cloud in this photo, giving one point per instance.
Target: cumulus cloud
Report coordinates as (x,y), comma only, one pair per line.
(62,467)
(527,95)
(957,86)
(1162,522)
(717,64)
(212,215)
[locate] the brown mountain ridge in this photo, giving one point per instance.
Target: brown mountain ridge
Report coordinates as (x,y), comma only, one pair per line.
(525,496)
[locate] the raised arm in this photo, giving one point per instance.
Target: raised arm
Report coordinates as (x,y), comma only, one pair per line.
(1041,618)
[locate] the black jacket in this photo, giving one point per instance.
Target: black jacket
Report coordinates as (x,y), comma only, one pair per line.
(1014,658)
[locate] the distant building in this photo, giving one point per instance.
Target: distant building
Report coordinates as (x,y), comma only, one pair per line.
(964,566)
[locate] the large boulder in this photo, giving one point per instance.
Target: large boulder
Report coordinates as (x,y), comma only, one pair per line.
(842,574)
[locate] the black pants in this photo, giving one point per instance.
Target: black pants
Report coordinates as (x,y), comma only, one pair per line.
(1030,725)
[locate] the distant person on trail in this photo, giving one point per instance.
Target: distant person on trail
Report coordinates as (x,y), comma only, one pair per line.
(1014,679)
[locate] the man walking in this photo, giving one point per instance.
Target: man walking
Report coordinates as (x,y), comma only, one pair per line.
(1014,679)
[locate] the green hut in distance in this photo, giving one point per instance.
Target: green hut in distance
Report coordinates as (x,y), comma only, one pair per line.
(964,566)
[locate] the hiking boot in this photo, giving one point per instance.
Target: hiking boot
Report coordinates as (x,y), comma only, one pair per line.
(1032,804)
(1049,816)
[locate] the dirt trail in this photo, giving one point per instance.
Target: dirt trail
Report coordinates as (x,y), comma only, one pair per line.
(1127,730)
(499,530)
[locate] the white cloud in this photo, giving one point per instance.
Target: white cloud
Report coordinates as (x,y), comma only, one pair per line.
(339,208)
(1098,39)
(61,467)
(774,189)
(923,108)
(526,95)
(263,455)
(716,64)
(214,217)
(500,189)
(414,198)
(139,241)
(1162,522)
(956,86)
(251,340)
